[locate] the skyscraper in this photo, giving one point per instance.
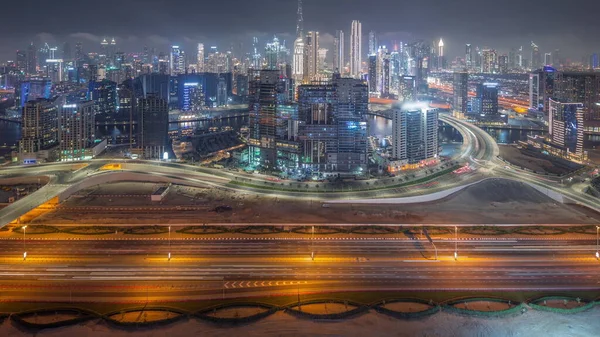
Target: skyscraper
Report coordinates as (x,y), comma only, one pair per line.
(76,130)
(311,53)
(565,121)
(373,43)
(461,93)
(154,120)
(21,61)
(468,56)
(32,61)
(104,96)
(373,71)
(200,58)
(441,59)
(487,94)
(355,49)
(39,127)
(176,61)
(414,133)
(262,140)
(536,57)
(338,52)
(488,61)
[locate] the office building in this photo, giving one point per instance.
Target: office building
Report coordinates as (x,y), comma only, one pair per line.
(441,58)
(39,131)
(338,52)
(414,135)
(311,57)
(32,90)
(536,56)
(541,88)
(356,49)
(566,125)
(468,56)
(408,89)
(373,44)
(32,61)
(104,95)
(461,93)
(176,61)
(487,95)
(154,121)
(372,75)
(76,134)
(488,61)
(200,58)
(262,140)
(333,128)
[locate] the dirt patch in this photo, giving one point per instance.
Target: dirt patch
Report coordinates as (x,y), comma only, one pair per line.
(236,312)
(143,316)
(407,306)
(46,318)
(325,308)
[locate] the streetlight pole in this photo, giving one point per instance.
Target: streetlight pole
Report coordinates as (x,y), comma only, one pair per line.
(169,243)
(312,248)
(597,246)
(24,250)
(455,243)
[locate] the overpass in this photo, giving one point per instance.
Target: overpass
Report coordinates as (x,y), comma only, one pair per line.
(479,149)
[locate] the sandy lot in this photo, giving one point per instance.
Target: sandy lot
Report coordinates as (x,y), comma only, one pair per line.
(530,324)
(494,201)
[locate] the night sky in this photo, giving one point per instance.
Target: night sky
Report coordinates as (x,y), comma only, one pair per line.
(571,26)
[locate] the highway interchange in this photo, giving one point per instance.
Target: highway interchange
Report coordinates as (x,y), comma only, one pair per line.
(118,270)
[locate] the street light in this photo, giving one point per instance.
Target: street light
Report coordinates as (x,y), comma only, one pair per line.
(169,243)
(24,250)
(312,248)
(597,248)
(455,243)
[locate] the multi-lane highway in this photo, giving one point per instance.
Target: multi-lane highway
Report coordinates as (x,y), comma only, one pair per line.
(128,270)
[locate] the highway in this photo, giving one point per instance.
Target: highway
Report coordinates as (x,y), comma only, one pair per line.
(90,270)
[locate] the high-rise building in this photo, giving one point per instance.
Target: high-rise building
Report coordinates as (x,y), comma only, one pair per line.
(503,64)
(338,52)
(536,57)
(373,43)
(76,124)
(408,88)
(333,125)
(176,61)
(548,59)
(566,125)
(32,61)
(594,61)
(32,90)
(487,94)
(468,56)
(39,128)
(581,87)
(298,60)
(154,121)
(488,61)
(311,53)
(414,133)
(78,51)
(200,58)
(372,75)
(66,52)
(263,149)
(441,59)
(461,93)
(356,49)
(104,96)
(21,61)
(541,88)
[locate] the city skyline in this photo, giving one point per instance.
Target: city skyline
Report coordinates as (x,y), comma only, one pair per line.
(457,25)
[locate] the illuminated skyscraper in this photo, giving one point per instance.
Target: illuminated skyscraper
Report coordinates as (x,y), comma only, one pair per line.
(200,58)
(76,125)
(338,52)
(154,120)
(441,59)
(373,43)
(536,57)
(356,49)
(311,53)
(468,56)
(39,126)
(461,91)
(176,61)
(415,133)
(487,95)
(21,61)
(488,61)
(565,125)
(32,60)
